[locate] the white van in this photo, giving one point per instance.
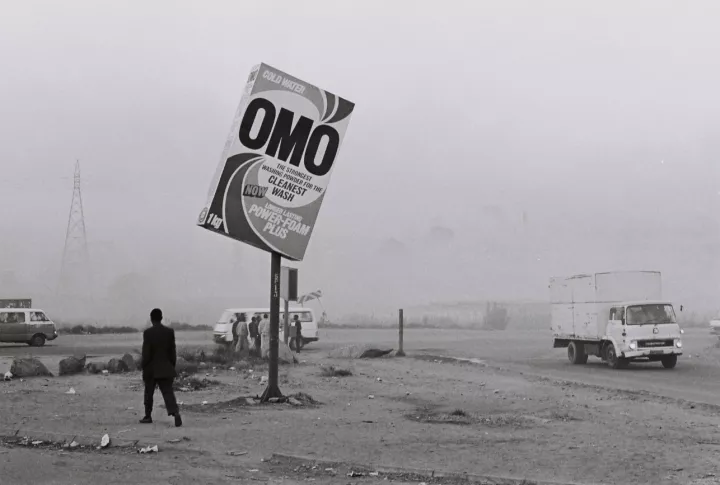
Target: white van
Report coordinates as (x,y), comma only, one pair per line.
(223,330)
(26,325)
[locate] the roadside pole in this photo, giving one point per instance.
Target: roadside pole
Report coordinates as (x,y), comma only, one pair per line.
(272,389)
(286,325)
(400,352)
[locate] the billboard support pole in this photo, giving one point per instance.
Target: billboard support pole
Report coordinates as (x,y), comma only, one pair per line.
(272,389)
(286,323)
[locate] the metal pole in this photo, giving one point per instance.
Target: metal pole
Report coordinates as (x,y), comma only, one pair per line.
(272,389)
(286,326)
(400,352)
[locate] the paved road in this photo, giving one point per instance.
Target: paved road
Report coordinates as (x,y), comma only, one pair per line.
(531,352)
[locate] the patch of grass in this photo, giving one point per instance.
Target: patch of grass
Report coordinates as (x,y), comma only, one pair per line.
(459,412)
(93,330)
(304,398)
(191,354)
(332,371)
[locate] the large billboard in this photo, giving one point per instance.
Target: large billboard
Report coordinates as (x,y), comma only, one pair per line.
(277,162)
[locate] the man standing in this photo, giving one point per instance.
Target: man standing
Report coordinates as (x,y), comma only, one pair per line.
(264,329)
(298,339)
(158,366)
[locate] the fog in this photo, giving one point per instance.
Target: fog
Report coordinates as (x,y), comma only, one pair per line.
(494,144)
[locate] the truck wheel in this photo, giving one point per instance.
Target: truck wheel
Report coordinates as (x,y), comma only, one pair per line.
(613,360)
(576,353)
(38,340)
(669,361)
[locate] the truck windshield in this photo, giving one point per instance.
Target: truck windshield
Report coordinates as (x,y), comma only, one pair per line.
(650,314)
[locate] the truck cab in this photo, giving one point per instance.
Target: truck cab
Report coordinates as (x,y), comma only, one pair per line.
(646,330)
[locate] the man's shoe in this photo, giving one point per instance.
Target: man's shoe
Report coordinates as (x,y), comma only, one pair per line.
(146,420)
(178,420)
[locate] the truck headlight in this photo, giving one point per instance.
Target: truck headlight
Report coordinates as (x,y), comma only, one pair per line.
(682,331)
(633,345)
(678,344)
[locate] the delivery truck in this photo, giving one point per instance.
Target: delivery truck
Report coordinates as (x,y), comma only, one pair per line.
(619,317)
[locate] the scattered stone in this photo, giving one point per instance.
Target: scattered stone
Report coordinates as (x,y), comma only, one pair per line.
(96,367)
(74,444)
(371,396)
(355,474)
(8,376)
(105,441)
(29,367)
(202,365)
(105,372)
(237,453)
(129,362)
(294,402)
(37,442)
(116,366)
(250,401)
(71,391)
(71,365)
(149,449)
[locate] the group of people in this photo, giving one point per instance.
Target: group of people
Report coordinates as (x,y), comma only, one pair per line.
(254,336)
(159,356)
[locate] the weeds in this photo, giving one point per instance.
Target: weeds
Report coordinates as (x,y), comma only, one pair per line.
(459,412)
(185,384)
(332,371)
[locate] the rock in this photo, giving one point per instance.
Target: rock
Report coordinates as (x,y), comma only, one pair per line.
(202,365)
(129,362)
(96,367)
(182,365)
(29,367)
(8,376)
(72,365)
(71,391)
(358,352)
(105,441)
(294,402)
(116,366)
(138,361)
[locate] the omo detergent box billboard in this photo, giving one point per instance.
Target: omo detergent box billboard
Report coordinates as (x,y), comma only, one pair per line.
(277,162)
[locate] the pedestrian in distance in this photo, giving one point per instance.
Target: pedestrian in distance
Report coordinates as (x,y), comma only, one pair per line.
(297,342)
(254,337)
(158,366)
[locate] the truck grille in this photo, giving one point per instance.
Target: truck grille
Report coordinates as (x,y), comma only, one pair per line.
(654,343)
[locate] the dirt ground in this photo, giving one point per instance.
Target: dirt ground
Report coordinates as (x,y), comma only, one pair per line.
(423,418)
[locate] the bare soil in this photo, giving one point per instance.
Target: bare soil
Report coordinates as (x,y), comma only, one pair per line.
(423,418)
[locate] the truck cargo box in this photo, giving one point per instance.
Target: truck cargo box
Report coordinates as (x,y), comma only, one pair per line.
(581,303)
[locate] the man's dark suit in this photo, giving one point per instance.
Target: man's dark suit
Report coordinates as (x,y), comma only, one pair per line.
(158,366)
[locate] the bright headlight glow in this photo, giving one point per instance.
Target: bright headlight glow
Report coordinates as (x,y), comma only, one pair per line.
(678,344)
(633,345)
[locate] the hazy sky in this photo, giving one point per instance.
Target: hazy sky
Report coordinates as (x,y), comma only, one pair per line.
(597,118)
